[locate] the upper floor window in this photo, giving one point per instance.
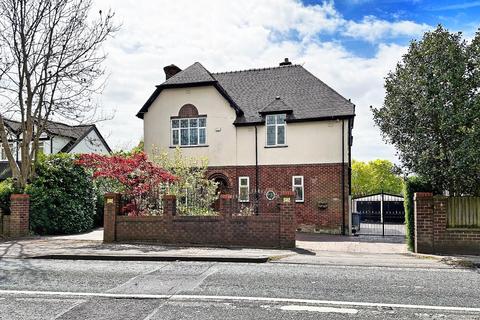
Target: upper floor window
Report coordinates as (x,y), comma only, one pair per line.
(189,131)
(189,128)
(276,129)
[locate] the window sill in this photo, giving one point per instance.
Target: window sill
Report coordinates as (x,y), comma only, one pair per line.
(245,201)
(299,201)
(199,146)
(277,146)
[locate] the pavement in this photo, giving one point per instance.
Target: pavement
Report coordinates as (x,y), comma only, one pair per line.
(312,249)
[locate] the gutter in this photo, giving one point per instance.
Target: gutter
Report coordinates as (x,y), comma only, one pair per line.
(256,172)
(343,177)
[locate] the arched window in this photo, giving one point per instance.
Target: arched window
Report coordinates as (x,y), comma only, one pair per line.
(189,129)
(188,111)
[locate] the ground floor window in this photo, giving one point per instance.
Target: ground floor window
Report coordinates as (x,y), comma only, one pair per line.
(243,189)
(298,188)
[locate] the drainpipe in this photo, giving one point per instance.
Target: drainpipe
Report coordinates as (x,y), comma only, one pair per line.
(343,176)
(256,171)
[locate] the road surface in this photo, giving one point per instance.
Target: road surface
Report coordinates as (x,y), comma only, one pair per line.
(57,289)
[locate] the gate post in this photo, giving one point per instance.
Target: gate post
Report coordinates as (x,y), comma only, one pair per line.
(111,210)
(424,223)
(19,215)
(287,219)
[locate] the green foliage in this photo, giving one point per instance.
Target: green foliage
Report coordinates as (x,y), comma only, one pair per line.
(62,197)
(7,188)
(411,185)
(374,177)
(431,111)
(195,193)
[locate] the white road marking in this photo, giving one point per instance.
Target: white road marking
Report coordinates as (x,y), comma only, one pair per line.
(319,309)
(181,297)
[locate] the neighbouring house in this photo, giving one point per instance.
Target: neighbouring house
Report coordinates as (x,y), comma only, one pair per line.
(57,138)
(264,131)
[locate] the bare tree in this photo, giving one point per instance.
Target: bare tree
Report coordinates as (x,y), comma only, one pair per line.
(50,66)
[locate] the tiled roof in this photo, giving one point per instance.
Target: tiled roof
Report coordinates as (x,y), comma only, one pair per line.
(258,90)
(196,73)
(56,128)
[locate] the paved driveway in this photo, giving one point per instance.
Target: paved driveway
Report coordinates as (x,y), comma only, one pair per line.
(353,244)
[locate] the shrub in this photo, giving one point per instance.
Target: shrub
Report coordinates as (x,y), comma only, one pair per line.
(62,197)
(139,179)
(411,185)
(194,191)
(7,188)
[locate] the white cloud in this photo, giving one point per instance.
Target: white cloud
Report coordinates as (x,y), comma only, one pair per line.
(232,35)
(373,29)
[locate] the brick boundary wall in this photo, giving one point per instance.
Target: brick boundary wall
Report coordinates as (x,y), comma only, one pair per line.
(322,183)
(16,224)
(272,230)
(431,232)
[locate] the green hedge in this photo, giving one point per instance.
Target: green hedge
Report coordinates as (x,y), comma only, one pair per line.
(412,184)
(62,197)
(6,190)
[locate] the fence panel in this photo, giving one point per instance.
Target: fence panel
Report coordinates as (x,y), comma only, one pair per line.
(463,212)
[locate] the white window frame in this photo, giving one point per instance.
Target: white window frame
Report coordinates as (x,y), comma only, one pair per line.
(240,187)
(302,185)
(3,154)
(276,125)
(172,129)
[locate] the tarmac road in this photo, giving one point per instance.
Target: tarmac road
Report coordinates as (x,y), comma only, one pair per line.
(58,289)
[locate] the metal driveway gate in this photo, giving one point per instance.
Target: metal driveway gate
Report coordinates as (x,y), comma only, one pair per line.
(380,214)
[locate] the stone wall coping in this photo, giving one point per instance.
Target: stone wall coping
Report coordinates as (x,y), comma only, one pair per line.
(169,197)
(19,196)
(418,195)
(226,196)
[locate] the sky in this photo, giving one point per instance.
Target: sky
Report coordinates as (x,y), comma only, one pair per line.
(349,44)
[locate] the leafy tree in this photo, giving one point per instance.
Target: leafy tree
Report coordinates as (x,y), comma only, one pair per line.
(139,179)
(431,112)
(375,176)
(50,65)
(195,193)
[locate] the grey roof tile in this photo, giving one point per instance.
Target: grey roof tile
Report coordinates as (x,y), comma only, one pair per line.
(306,95)
(255,91)
(196,73)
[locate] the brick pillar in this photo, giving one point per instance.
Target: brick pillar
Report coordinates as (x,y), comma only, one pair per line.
(169,205)
(226,205)
(439,218)
(19,215)
(424,224)
(287,219)
(111,210)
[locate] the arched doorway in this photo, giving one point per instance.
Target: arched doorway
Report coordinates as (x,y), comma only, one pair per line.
(223,187)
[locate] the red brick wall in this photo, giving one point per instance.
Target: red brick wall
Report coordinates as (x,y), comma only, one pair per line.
(264,230)
(322,183)
(19,215)
(431,232)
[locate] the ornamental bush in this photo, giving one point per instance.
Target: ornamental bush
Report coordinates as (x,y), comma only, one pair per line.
(62,197)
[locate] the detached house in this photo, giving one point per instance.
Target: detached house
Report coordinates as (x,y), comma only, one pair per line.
(57,138)
(264,131)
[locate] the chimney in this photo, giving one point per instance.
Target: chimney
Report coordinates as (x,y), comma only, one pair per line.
(285,63)
(171,70)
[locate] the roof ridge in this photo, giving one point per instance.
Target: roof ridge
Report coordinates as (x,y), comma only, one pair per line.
(257,69)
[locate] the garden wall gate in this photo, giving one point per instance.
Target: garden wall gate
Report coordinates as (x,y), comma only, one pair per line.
(379,214)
